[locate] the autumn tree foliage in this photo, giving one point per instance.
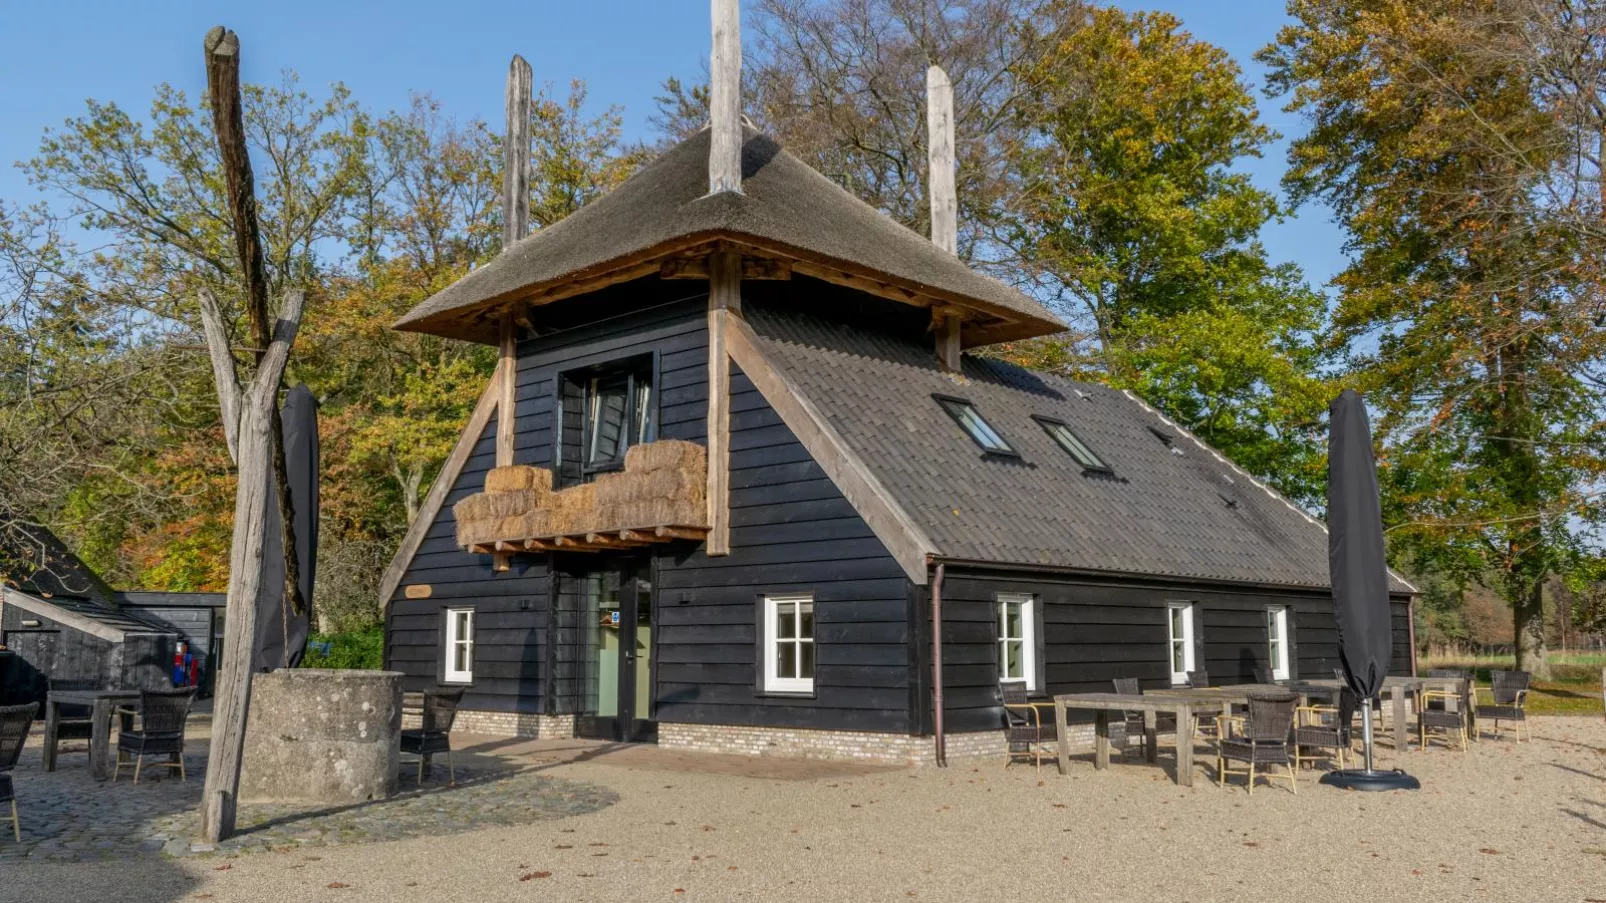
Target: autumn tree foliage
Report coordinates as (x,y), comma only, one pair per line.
(1468,175)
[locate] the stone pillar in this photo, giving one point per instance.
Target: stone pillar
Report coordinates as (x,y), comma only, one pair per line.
(321,735)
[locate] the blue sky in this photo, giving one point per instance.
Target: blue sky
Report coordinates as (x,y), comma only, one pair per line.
(59,53)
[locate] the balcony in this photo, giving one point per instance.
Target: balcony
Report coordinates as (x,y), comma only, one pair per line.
(660,496)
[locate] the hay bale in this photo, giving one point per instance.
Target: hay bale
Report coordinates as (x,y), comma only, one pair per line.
(517,478)
(667,454)
(625,488)
(570,508)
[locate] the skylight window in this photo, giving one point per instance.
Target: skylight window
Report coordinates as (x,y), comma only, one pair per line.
(965,414)
(1073,445)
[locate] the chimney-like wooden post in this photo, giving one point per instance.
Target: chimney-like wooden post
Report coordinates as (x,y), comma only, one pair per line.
(944,201)
(725,99)
(940,149)
(516,154)
(515,225)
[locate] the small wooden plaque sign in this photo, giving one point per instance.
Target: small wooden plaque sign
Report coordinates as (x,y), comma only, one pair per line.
(418,591)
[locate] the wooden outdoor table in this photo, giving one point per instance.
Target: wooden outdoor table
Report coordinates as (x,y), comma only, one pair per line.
(101,703)
(1102,704)
(1398,690)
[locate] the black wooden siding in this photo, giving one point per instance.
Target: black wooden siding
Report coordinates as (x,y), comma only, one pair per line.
(1093,631)
(791,531)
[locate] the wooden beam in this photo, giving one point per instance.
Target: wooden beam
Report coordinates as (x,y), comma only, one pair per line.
(635,536)
(766,268)
(940,160)
(904,539)
(516,154)
(438,490)
(725,98)
(724,304)
(507,380)
(680,533)
(948,343)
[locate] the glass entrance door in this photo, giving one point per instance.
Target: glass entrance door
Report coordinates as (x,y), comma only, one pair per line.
(618,686)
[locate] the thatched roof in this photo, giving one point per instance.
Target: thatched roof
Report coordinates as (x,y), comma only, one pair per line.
(786,208)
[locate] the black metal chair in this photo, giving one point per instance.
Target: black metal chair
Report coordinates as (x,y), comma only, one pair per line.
(162,715)
(73,722)
(1509,690)
(1263,739)
(1326,728)
(1447,711)
(433,734)
(14,723)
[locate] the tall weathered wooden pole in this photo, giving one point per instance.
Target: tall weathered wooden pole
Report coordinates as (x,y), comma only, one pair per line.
(515,225)
(724,265)
(944,200)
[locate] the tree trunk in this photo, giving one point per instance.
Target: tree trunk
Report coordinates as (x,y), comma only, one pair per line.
(252,496)
(1528,615)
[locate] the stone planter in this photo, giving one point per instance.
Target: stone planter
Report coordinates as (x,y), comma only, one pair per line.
(320,735)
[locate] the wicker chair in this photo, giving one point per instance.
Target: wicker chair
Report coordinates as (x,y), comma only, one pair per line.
(1509,690)
(1447,711)
(434,733)
(1026,731)
(74,722)
(1199,679)
(1456,673)
(1133,722)
(162,715)
(1325,728)
(14,723)
(1262,741)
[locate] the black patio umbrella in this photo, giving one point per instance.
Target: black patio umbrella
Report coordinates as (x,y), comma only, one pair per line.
(1359,574)
(281,642)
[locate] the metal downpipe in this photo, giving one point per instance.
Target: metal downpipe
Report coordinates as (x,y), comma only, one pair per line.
(936,667)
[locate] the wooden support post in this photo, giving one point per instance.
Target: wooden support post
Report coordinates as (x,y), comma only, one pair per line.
(948,347)
(516,154)
(725,98)
(724,301)
(507,374)
(940,157)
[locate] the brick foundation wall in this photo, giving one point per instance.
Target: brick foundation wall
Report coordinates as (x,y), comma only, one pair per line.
(864,746)
(506,724)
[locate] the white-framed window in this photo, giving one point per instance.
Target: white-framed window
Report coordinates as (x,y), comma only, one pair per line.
(1277,642)
(1179,621)
(459,645)
(1017,647)
(789,644)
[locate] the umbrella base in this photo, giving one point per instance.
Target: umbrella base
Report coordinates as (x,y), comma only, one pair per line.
(1359,779)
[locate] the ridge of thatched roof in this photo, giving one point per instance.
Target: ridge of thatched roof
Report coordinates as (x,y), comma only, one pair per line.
(785,208)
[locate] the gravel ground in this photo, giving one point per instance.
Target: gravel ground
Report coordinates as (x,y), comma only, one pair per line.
(1505,821)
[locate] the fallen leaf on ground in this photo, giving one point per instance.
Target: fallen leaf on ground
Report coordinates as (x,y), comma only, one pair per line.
(338,884)
(223,868)
(528,876)
(1491,851)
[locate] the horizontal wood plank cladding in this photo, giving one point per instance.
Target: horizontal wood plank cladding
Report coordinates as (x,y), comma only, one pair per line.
(1096,629)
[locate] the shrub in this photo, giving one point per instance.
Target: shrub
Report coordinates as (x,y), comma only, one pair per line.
(362,650)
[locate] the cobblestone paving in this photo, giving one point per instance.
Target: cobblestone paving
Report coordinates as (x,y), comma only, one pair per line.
(69,816)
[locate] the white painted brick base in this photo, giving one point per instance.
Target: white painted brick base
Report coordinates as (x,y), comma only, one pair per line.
(863,746)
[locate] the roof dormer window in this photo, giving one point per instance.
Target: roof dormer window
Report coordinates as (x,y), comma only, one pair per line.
(970,420)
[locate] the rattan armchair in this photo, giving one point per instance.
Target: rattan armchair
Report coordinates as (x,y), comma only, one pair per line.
(434,733)
(1509,692)
(1445,711)
(1325,729)
(1027,732)
(162,715)
(14,723)
(1263,739)
(73,722)
(1134,723)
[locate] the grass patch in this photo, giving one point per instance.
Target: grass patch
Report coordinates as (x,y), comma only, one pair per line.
(1574,687)
(363,650)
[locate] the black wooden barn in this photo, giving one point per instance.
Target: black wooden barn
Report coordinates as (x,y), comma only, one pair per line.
(59,621)
(865,486)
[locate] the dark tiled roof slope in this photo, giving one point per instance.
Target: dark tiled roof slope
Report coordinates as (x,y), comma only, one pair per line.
(784,202)
(35,561)
(1178,510)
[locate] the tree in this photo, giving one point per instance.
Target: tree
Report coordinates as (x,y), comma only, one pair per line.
(1471,301)
(1131,214)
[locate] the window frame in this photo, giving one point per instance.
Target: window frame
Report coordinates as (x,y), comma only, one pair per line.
(1027,639)
(948,404)
(641,413)
(451,641)
(1178,678)
(1049,424)
(771,682)
(1277,650)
